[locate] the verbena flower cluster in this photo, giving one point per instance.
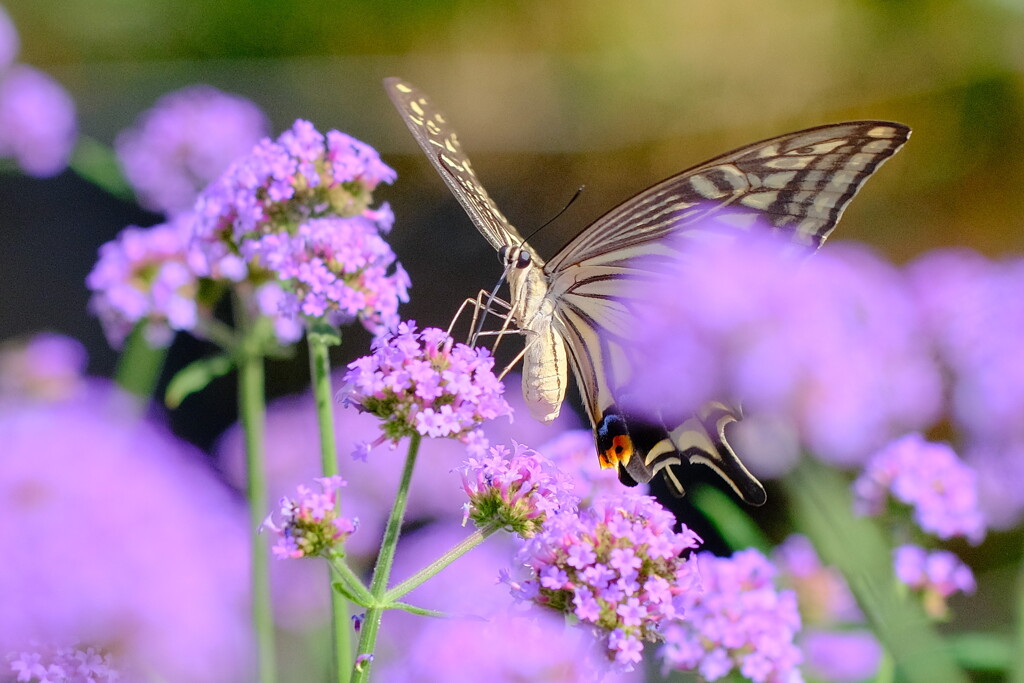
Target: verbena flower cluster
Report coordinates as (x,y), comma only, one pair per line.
(835,643)
(145,275)
(424,383)
(184,142)
(516,490)
(64,665)
(929,477)
(37,116)
(830,345)
(37,121)
(975,315)
(101,510)
(738,621)
(616,566)
(45,367)
(937,574)
(310,525)
(293,219)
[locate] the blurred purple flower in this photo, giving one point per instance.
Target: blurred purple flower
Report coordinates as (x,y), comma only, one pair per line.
(37,121)
(9,42)
(822,592)
(310,525)
(938,574)
(47,367)
(615,566)
(425,383)
(144,274)
(185,142)
(64,665)
(929,477)
(739,620)
(516,490)
(830,344)
(841,656)
(975,314)
(118,537)
(297,211)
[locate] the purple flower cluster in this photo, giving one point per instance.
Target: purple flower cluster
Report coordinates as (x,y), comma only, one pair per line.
(99,513)
(293,216)
(37,121)
(64,665)
(516,490)
(739,620)
(144,275)
(975,315)
(616,566)
(938,574)
(831,345)
(930,478)
(310,525)
(821,591)
(184,142)
(9,41)
(424,383)
(48,367)
(835,645)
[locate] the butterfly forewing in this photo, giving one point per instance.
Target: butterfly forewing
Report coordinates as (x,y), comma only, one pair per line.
(799,183)
(441,145)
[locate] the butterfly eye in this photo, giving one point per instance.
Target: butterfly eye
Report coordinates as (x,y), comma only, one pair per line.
(524,259)
(502,254)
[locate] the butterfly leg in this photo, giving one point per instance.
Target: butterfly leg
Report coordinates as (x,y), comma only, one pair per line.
(481,302)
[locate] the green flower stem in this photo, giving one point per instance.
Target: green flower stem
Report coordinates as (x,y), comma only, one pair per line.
(320,373)
(350,582)
(139,366)
(822,509)
(252,409)
(382,571)
(432,569)
(1017,672)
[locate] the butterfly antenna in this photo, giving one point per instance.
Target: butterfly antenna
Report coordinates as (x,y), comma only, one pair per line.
(554,218)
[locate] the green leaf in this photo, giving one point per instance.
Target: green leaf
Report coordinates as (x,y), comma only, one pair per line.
(195,376)
(982,651)
(322,332)
(732,522)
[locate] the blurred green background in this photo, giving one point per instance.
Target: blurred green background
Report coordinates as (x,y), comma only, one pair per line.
(547,96)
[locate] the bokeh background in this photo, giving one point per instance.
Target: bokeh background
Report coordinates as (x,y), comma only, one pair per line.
(547,96)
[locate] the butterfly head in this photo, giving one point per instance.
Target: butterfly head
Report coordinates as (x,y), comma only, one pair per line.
(513,257)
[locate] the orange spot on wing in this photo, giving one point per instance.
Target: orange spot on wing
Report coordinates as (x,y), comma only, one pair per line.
(619,453)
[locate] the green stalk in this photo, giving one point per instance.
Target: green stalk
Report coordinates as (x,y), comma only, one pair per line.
(822,509)
(139,367)
(432,569)
(252,413)
(1017,673)
(320,373)
(382,571)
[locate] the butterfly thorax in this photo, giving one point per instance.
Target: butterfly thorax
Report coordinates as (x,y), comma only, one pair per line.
(544,360)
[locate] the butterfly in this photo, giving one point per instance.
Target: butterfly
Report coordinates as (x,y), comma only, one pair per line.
(571,309)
